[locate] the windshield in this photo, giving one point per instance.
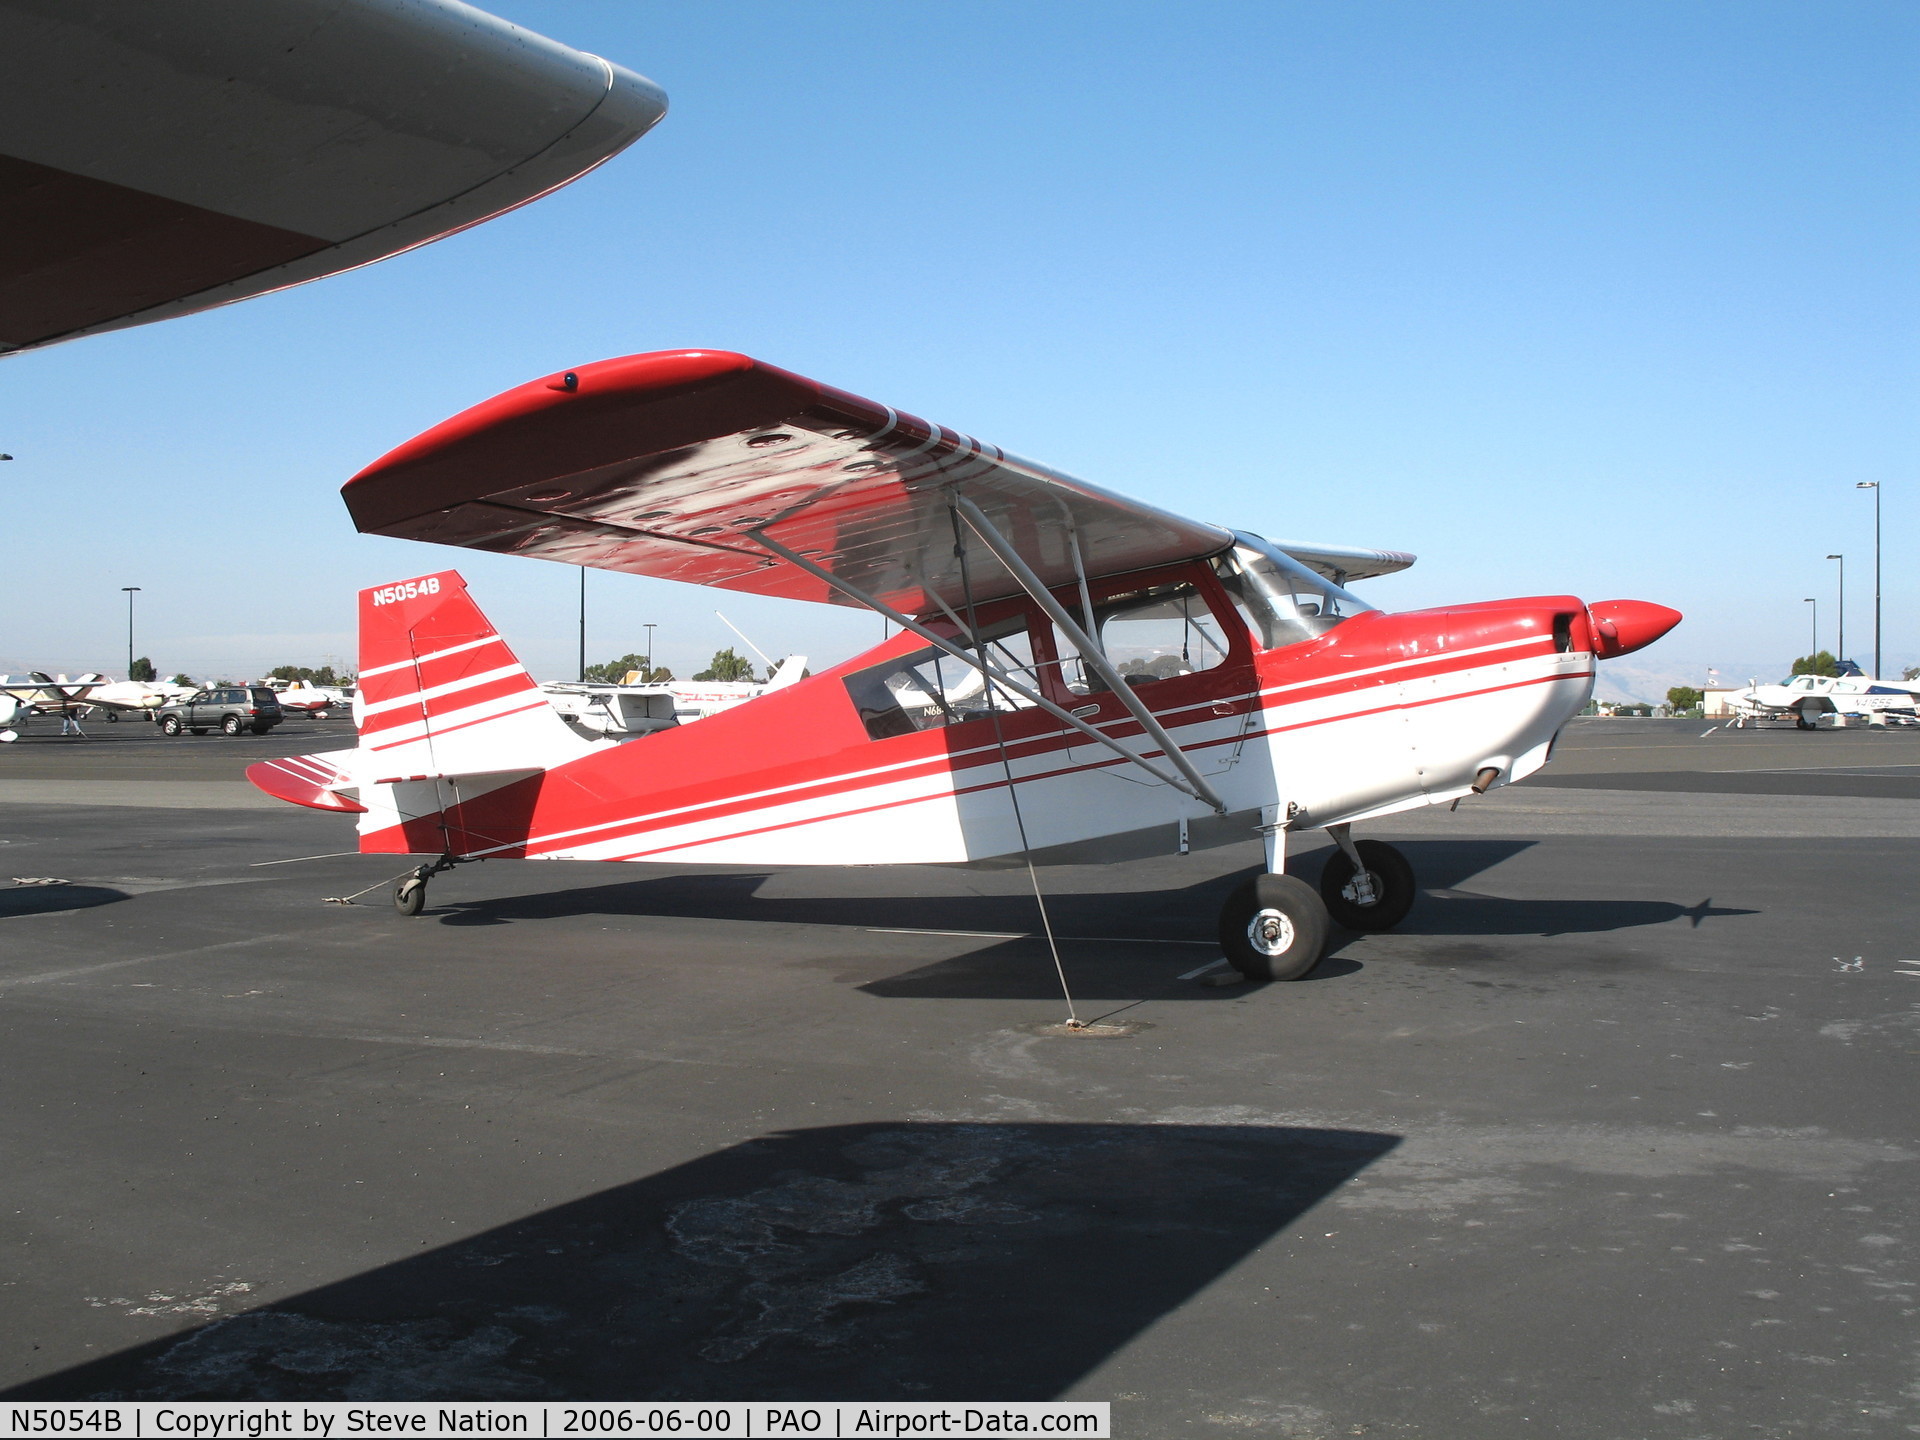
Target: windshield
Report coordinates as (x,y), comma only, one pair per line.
(1282,599)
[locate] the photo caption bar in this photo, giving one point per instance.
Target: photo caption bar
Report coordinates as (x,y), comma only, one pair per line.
(736,1420)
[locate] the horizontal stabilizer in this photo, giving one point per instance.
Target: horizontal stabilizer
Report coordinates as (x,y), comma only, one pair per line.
(315,781)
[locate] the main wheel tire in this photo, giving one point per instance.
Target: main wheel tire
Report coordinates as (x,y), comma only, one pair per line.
(113,717)
(1274,927)
(1800,722)
(171,725)
(1393,887)
(411,897)
(232,725)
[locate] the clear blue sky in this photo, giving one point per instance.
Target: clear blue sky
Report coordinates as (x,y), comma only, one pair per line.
(1610,298)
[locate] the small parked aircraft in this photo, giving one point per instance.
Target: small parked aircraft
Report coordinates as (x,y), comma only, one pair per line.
(1804,697)
(317,701)
(1072,667)
(635,708)
(42,694)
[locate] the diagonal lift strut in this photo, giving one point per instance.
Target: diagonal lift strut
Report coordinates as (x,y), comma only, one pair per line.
(1198,788)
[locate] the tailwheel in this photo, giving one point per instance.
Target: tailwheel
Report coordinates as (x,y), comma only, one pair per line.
(410,898)
(1274,927)
(1382,901)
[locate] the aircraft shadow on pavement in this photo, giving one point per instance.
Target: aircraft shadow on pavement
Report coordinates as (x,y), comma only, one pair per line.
(1001,968)
(1185,913)
(50,899)
(1146,911)
(943,1261)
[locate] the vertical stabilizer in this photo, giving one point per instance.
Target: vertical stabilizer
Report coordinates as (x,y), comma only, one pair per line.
(440,692)
(445,711)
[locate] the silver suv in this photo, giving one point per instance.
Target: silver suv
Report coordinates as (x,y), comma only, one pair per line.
(232,709)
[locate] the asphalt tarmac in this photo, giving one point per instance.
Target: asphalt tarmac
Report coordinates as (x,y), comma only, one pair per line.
(1613,1137)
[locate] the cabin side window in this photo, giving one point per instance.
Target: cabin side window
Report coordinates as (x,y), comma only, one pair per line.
(1152,633)
(930,688)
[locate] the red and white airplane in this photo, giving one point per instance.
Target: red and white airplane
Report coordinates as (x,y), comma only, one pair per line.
(1073,667)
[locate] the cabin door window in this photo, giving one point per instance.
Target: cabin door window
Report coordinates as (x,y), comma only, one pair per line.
(930,689)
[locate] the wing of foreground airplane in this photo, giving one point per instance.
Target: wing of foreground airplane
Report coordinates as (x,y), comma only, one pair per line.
(159,157)
(680,464)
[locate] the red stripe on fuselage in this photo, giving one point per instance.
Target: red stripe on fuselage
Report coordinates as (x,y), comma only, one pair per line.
(689,806)
(1000,784)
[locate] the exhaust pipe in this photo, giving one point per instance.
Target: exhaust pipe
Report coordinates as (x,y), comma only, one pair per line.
(1484,781)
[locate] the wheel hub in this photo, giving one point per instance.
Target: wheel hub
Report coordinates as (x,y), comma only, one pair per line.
(1355,892)
(1270,932)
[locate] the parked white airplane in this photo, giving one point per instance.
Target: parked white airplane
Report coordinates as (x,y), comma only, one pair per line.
(118,697)
(640,709)
(1805,696)
(318,701)
(41,694)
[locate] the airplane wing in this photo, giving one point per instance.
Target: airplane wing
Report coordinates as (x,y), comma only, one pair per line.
(162,158)
(1344,563)
(669,465)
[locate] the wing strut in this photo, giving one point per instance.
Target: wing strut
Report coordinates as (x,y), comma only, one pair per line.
(1199,790)
(1091,654)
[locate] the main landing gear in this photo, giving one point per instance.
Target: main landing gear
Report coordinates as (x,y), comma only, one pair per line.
(1275,926)
(410,896)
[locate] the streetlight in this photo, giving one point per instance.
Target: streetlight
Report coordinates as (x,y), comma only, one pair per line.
(1816,627)
(131,590)
(1842,641)
(1874,485)
(583,624)
(649,628)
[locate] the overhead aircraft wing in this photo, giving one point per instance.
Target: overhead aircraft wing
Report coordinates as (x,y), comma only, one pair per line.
(159,157)
(671,465)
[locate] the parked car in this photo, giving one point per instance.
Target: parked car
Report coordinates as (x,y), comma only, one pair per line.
(231,709)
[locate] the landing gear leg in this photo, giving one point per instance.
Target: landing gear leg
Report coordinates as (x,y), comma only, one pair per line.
(410,897)
(1274,927)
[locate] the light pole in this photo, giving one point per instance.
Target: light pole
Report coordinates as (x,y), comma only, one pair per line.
(131,590)
(1874,485)
(583,623)
(649,628)
(1842,641)
(1816,627)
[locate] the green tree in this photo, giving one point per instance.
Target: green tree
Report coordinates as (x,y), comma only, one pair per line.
(323,676)
(1684,697)
(180,680)
(614,671)
(141,669)
(727,666)
(1821,662)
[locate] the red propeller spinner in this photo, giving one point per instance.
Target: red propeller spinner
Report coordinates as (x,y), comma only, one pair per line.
(1622,626)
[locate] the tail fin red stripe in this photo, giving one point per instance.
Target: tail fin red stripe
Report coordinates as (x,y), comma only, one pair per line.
(435,706)
(491,654)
